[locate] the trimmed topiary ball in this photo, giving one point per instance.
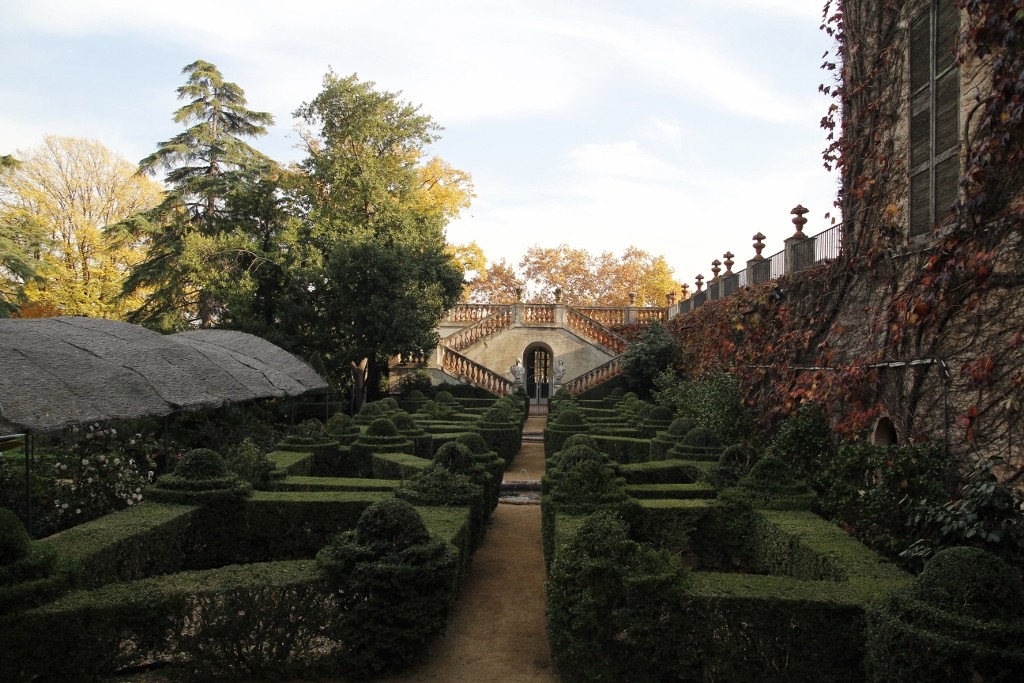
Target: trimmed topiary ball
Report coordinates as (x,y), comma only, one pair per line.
(681,426)
(200,464)
(701,437)
(14,540)
(581,440)
(971,581)
(403,421)
(388,403)
(391,526)
(444,397)
(475,443)
(456,457)
(382,426)
(415,395)
(660,414)
(340,423)
(573,455)
(372,409)
(570,418)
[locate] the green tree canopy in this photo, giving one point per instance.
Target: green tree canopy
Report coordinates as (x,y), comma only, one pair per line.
(200,251)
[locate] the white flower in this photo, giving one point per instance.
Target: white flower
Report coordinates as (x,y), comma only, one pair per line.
(64,506)
(63,466)
(130,501)
(85,461)
(78,511)
(117,461)
(113,432)
(88,480)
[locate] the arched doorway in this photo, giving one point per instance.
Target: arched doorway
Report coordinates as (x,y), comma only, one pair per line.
(538,359)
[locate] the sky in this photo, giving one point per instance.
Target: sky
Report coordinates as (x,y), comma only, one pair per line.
(682,127)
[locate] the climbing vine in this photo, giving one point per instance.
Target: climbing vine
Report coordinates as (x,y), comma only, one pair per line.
(927,331)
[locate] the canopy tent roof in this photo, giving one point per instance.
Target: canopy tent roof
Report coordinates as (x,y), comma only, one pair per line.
(56,372)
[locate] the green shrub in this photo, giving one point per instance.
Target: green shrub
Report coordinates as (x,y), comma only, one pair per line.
(14,540)
(772,484)
(871,489)
(804,439)
(251,464)
(613,608)
(735,462)
(438,485)
(961,620)
(341,424)
(475,443)
(701,437)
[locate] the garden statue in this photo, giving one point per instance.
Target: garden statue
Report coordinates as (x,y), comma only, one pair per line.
(559,372)
(517,373)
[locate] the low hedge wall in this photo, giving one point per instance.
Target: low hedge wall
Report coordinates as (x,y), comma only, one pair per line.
(665,472)
(397,465)
(292,462)
(123,546)
(335,484)
(671,491)
(275,620)
(802,619)
(622,449)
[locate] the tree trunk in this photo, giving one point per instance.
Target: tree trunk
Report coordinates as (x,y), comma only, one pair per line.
(358,371)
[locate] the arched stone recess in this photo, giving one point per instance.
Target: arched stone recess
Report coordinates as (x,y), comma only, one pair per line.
(884,433)
(501,351)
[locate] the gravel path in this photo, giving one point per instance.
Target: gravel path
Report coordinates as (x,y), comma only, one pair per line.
(497,631)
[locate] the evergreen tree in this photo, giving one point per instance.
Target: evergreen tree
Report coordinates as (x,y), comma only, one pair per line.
(199,249)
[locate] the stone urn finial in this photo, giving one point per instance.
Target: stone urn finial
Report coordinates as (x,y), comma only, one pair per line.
(758,246)
(716,268)
(728,256)
(558,295)
(519,295)
(685,293)
(632,298)
(799,221)
(700,282)
(671,298)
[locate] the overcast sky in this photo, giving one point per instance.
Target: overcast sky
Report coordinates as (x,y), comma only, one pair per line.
(682,127)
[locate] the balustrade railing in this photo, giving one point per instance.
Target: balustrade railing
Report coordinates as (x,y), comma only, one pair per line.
(591,379)
(491,325)
(463,368)
(595,331)
(463,313)
(646,315)
(539,313)
(606,315)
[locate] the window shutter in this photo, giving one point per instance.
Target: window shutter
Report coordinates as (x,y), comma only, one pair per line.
(920,203)
(920,53)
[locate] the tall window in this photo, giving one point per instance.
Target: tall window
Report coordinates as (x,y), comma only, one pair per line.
(934,115)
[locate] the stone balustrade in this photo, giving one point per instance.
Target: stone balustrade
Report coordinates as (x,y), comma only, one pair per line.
(591,379)
(486,327)
(594,331)
(457,365)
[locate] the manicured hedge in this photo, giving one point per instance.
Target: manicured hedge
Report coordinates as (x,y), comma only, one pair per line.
(802,618)
(336,484)
(665,472)
(397,465)
(274,620)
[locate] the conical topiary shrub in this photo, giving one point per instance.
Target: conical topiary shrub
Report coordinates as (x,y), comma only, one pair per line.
(567,423)
(700,443)
(487,458)
(771,484)
(381,436)
(26,567)
(501,426)
(422,442)
(961,620)
(663,441)
(396,588)
(201,476)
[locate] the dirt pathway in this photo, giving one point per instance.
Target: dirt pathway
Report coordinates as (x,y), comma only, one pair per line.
(497,631)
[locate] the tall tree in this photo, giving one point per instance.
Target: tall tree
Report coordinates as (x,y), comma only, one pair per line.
(497,284)
(603,280)
(194,255)
(372,196)
(20,239)
(60,201)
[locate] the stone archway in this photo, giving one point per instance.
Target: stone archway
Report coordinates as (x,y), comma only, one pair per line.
(885,433)
(538,358)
